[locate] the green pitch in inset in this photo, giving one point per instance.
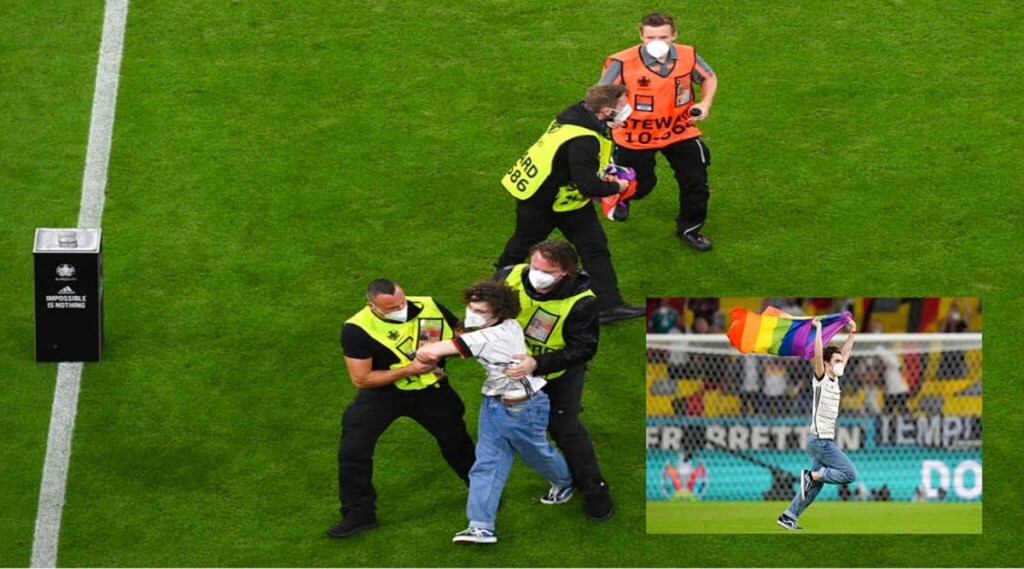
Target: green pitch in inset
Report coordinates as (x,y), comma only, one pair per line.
(825,517)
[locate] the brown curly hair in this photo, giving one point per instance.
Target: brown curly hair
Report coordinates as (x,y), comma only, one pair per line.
(828,352)
(504,301)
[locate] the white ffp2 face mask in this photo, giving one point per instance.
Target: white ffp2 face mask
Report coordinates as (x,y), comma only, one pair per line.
(398,315)
(474,320)
(622,114)
(839,369)
(656,49)
(540,280)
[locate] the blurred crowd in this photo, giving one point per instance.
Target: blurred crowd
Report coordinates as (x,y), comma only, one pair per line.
(769,386)
(877,381)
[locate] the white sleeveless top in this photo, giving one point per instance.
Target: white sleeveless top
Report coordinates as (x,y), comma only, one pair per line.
(826,406)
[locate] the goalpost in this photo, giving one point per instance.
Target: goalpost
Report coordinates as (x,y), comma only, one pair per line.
(727,426)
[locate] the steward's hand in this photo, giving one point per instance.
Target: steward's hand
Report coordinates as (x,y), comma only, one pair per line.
(705,110)
(524,368)
(623,184)
(427,357)
(419,367)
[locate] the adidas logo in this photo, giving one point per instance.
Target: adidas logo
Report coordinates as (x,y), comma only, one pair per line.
(66,290)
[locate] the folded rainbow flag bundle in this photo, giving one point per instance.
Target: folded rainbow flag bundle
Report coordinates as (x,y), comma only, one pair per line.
(775,332)
(614,206)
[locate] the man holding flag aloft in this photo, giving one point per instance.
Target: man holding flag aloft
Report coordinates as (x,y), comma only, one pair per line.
(829,465)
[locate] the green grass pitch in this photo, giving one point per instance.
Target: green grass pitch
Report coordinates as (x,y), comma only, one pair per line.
(271,157)
(821,518)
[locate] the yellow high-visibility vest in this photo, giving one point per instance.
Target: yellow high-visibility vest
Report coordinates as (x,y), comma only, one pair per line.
(525,177)
(542,321)
(404,338)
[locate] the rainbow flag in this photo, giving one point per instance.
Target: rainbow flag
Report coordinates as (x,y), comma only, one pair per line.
(775,332)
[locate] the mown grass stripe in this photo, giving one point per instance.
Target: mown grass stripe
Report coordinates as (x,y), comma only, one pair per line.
(69,375)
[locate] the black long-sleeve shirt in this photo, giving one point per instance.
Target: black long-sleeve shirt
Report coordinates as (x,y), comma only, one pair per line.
(577,161)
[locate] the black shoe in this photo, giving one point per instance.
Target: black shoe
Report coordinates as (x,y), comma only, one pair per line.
(622,312)
(352,525)
(620,212)
(696,240)
(788,523)
(599,506)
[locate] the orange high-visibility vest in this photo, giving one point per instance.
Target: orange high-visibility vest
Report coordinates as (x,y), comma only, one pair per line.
(661,105)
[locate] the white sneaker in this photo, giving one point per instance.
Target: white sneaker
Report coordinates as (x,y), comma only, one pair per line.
(475,535)
(558,494)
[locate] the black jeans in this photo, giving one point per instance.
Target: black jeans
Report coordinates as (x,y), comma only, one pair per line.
(582,228)
(438,409)
(569,433)
(689,159)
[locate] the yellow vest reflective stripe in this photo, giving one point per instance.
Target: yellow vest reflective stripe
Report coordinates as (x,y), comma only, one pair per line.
(525,177)
(404,338)
(542,321)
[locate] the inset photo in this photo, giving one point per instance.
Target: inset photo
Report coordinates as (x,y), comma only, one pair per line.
(814,415)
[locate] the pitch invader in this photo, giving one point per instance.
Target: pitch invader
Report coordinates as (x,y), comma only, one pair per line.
(829,465)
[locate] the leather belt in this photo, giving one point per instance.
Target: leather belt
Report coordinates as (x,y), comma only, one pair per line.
(510,402)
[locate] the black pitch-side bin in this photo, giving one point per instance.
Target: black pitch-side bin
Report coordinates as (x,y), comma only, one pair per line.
(69,295)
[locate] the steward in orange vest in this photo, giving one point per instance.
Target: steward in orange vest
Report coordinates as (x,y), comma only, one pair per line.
(661,105)
(660,75)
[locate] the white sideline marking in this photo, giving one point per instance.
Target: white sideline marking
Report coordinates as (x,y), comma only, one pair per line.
(69,374)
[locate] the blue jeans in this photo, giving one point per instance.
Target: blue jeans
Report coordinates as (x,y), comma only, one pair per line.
(834,466)
(503,431)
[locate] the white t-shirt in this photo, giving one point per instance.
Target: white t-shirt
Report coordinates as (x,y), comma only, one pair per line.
(826,406)
(494,347)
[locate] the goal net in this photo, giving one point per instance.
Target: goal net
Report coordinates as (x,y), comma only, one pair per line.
(727,426)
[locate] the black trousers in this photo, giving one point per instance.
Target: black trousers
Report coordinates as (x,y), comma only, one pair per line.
(568,432)
(689,160)
(438,409)
(582,228)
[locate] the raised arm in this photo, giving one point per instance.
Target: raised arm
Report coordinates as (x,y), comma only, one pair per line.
(848,344)
(819,360)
